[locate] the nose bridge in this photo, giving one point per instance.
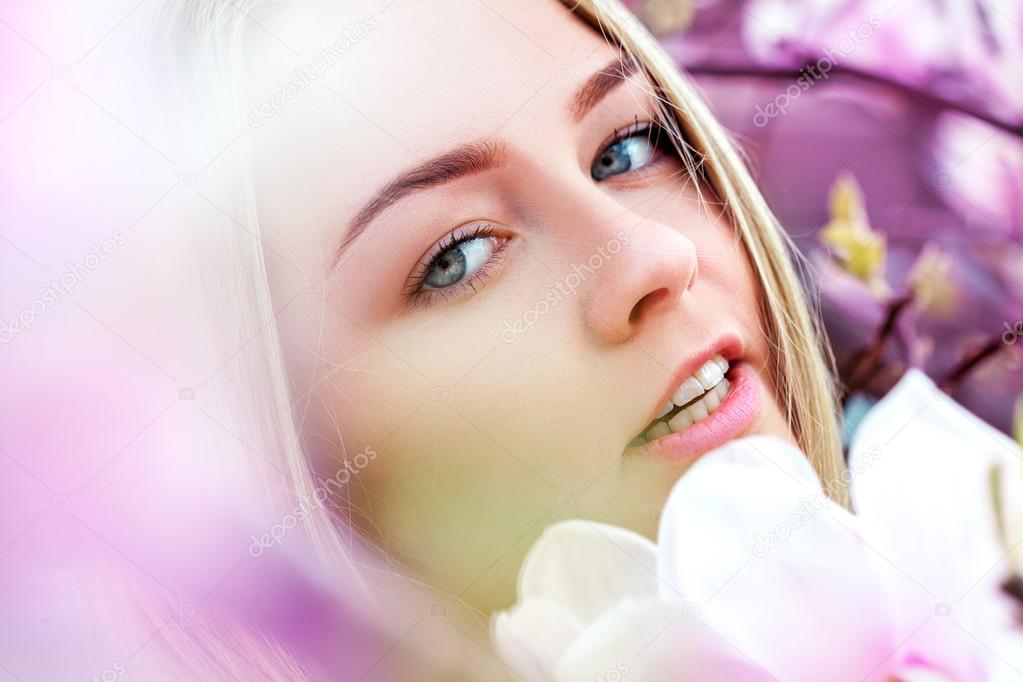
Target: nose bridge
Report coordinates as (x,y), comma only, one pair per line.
(596,227)
(625,267)
(633,270)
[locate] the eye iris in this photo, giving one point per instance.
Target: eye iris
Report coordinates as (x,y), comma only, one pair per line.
(629,153)
(458,261)
(613,161)
(447,269)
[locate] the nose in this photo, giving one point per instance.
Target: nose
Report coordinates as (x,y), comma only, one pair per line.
(652,269)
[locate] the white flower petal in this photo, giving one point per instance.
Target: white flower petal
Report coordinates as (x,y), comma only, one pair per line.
(748,534)
(921,458)
(654,641)
(921,467)
(917,674)
(587,567)
(532,637)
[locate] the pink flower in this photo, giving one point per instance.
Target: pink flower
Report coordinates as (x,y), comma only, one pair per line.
(758,576)
(977,45)
(980,173)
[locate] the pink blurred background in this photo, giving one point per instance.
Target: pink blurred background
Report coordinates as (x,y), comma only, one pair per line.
(117,474)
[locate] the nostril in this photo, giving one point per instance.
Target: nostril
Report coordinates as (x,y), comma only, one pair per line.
(648,301)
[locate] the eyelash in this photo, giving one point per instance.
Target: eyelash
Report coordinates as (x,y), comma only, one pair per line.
(628,131)
(418,296)
(415,294)
(657,135)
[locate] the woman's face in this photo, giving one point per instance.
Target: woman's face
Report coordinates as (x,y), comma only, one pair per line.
(491,277)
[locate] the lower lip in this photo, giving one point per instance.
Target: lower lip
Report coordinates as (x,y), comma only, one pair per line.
(730,420)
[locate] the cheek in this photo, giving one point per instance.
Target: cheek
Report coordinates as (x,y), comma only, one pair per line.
(726,281)
(366,401)
(352,390)
(725,267)
(727,284)
(524,391)
(434,472)
(736,289)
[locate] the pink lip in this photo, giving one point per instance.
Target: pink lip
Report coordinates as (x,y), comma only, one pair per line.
(734,416)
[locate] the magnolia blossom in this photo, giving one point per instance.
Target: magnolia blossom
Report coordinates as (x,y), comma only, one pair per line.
(980,173)
(757,575)
(976,44)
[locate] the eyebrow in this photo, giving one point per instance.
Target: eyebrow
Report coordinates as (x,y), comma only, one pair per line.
(599,85)
(475,158)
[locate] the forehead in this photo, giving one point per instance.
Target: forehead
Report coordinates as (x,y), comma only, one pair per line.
(408,79)
(489,56)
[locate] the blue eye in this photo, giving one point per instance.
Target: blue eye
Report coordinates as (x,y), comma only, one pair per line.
(458,261)
(627,153)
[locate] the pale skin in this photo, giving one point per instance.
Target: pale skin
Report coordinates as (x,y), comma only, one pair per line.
(483,436)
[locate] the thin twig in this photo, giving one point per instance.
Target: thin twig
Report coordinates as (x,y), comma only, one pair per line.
(868,361)
(970,362)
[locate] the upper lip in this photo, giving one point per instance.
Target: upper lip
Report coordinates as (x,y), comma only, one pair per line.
(728,346)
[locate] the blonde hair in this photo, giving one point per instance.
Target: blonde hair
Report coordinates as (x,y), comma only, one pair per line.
(210,34)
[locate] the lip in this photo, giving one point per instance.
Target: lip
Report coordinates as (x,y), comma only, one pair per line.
(732,417)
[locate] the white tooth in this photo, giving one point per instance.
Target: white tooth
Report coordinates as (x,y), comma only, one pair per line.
(722,389)
(722,363)
(657,430)
(709,375)
(680,422)
(711,400)
(636,442)
(697,411)
(689,389)
(668,407)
